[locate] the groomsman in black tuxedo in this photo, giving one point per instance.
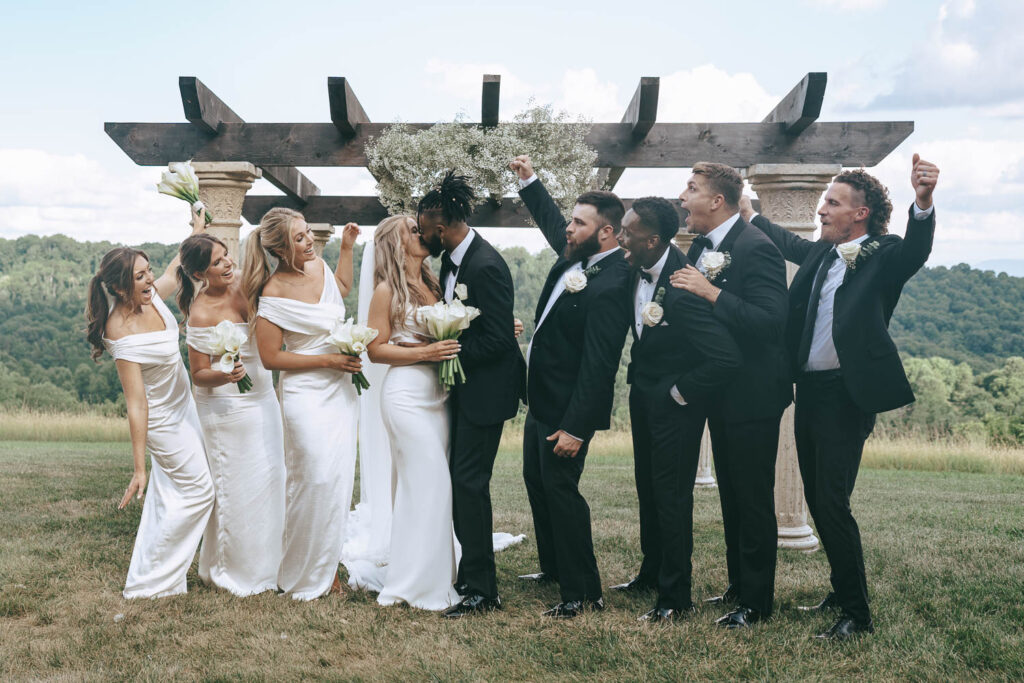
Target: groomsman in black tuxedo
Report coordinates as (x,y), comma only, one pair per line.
(743,276)
(495,376)
(580,328)
(682,357)
(846,367)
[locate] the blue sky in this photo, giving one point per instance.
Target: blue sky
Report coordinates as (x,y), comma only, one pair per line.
(955,67)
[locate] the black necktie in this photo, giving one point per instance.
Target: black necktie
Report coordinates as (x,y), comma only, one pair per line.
(644,275)
(812,308)
(447,266)
(702,241)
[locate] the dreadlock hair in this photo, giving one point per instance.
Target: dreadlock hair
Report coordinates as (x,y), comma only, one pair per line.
(452,199)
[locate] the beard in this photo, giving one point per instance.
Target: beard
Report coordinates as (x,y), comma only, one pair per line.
(434,246)
(583,250)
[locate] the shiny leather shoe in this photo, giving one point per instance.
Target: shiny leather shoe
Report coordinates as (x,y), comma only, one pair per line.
(539,577)
(846,628)
(472,604)
(741,617)
(635,585)
(828,603)
(659,614)
(573,608)
(730,596)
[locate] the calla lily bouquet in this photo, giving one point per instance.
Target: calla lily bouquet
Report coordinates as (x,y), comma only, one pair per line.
(228,344)
(352,340)
(180,180)
(447,321)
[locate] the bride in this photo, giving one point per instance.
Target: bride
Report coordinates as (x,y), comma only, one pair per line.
(414,407)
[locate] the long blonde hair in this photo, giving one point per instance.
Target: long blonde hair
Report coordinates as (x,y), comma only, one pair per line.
(389,267)
(273,235)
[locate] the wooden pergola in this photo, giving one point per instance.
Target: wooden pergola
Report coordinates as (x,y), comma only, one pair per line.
(789,134)
(789,159)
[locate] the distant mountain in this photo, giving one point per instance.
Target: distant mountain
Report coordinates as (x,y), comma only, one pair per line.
(1013,267)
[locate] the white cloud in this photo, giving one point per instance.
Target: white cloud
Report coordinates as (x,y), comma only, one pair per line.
(583,93)
(707,93)
(850,5)
(464,82)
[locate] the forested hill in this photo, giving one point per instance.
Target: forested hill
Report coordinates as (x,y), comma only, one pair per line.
(958,313)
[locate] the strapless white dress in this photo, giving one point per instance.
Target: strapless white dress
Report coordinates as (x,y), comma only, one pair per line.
(319,410)
(241,549)
(179,495)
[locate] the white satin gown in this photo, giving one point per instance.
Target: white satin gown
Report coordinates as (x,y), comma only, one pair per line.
(241,550)
(179,496)
(319,410)
(423,560)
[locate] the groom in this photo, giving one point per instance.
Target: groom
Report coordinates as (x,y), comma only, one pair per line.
(581,324)
(495,375)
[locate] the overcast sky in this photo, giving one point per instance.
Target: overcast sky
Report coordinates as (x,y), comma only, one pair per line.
(955,68)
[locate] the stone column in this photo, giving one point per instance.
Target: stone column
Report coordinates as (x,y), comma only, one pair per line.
(790,194)
(222,188)
(321,236)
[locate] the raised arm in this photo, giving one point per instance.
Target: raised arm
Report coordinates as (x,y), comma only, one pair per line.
(539,203)
(343,273)
(138,426)
(270,338)
(381,351)
(908,256)
(168,282)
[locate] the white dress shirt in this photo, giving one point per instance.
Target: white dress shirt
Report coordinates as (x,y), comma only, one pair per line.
(457,254)
(716,236)
(645,292)
(823,354)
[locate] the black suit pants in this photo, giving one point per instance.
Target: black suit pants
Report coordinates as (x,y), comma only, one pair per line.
(666,449)
(473,449)
(745,454)
(561,516)
(830,434)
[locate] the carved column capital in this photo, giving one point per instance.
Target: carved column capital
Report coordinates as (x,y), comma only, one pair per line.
(222,188)
(321,236)
(789,193)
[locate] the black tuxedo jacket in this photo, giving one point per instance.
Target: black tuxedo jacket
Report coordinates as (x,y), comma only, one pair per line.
(753,304)
(495,370)
(689,349)
(575,352)
(872,370)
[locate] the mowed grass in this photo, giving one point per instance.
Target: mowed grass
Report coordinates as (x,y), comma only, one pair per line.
(944,552)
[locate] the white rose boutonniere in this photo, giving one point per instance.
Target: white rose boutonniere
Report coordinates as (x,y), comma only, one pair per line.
(652,312)
(714,262)
(849,253)
(575,281)
(461,291)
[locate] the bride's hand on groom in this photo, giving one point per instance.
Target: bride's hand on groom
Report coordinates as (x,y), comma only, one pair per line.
(344,363)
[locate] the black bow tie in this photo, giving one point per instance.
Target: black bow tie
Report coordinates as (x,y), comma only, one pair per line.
(702,241)
(447,265)
(644,275)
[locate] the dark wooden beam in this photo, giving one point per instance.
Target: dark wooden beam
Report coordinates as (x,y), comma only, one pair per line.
(667,145)
(346,112)
(490,100)
(368,211)
(640,116)
(802,106)
(208,113)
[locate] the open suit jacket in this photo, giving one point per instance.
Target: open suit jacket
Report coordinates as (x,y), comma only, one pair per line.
(753,305)
(864,302)
(495,371)
(575,351)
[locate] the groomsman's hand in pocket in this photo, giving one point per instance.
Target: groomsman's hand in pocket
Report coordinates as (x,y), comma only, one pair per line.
(566,446)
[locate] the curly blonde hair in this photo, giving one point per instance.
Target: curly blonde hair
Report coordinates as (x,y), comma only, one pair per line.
(389,267)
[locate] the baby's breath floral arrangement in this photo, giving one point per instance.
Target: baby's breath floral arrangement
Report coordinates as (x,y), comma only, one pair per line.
(408,162)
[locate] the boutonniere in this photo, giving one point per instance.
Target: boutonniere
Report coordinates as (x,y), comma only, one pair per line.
(714,262)
(653,312)
(575,281)
(461,291)
(854,254)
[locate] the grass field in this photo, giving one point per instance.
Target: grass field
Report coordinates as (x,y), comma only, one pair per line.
(944,551)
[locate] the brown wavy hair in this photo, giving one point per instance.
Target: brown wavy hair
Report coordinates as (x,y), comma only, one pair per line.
(194,256)
(115,275)
(875,197)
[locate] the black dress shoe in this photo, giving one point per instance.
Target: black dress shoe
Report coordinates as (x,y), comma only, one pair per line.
(665,614)
(730,595)
(828,603)
(741,617)
(471,604)
(846,628)
(461,588)
(635,585)
(573,608)
(539,577)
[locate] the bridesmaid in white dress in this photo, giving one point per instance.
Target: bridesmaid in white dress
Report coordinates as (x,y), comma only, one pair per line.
(241,549)
(422,567)
(128,319)
(295,300)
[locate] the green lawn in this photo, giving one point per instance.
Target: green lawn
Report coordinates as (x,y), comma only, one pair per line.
(945,558)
